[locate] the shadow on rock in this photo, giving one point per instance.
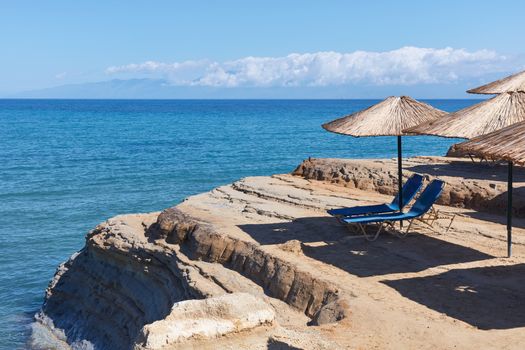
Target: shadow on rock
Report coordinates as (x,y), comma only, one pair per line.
(278,345)
(470,170)
(359,257)
(485,297)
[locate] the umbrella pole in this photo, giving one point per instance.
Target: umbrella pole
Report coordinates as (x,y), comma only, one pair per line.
(509,210)
(400,174)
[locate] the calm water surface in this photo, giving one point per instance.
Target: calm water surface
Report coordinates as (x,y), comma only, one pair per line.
(68,165)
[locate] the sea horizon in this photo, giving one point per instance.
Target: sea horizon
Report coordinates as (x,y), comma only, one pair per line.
(234,99)
(209,175)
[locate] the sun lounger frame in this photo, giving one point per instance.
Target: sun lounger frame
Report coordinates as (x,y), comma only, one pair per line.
(426,220)
(412,187)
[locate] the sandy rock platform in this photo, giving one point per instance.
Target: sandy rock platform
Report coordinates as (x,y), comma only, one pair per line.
(270,238)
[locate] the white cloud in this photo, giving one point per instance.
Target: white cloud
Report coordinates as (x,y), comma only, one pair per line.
(61,75)
(404,66)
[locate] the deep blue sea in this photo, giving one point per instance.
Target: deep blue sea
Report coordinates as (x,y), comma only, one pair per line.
(67,165)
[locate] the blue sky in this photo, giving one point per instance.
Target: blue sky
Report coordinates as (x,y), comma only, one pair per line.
(283,45)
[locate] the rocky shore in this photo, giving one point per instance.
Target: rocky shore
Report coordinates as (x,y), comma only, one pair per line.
(258,264)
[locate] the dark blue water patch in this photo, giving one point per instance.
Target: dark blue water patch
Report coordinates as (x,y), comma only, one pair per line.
(69,164)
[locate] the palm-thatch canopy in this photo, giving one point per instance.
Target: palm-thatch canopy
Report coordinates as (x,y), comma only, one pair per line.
(514,82)
(480,119)
(387,118)
(504,144)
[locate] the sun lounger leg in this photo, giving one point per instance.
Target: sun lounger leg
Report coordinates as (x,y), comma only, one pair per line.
(451,221)
(409,225)
(369,237)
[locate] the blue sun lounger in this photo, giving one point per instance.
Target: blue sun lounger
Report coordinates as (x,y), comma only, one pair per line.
(421,206)
(410,189)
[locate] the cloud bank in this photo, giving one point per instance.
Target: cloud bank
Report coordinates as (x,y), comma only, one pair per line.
(404,66)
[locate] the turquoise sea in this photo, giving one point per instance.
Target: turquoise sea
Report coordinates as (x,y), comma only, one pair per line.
(67,165)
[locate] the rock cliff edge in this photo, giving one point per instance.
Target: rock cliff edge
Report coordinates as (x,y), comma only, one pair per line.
(258,264)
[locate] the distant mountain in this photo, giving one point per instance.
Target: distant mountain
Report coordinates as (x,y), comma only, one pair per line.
(162,89)
(110,89)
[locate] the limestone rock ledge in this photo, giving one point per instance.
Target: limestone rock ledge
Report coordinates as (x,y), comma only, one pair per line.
(258,264)
(478,186)
(207,319)
(132,288)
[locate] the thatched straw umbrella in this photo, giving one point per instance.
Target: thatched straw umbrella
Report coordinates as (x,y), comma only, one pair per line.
(496,128)
(490,115)
(514,82)
(387,118)
(505,144)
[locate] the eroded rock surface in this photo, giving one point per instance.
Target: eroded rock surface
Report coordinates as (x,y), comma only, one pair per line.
(129,288)
(258,264)
(479,186)
(207,319)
